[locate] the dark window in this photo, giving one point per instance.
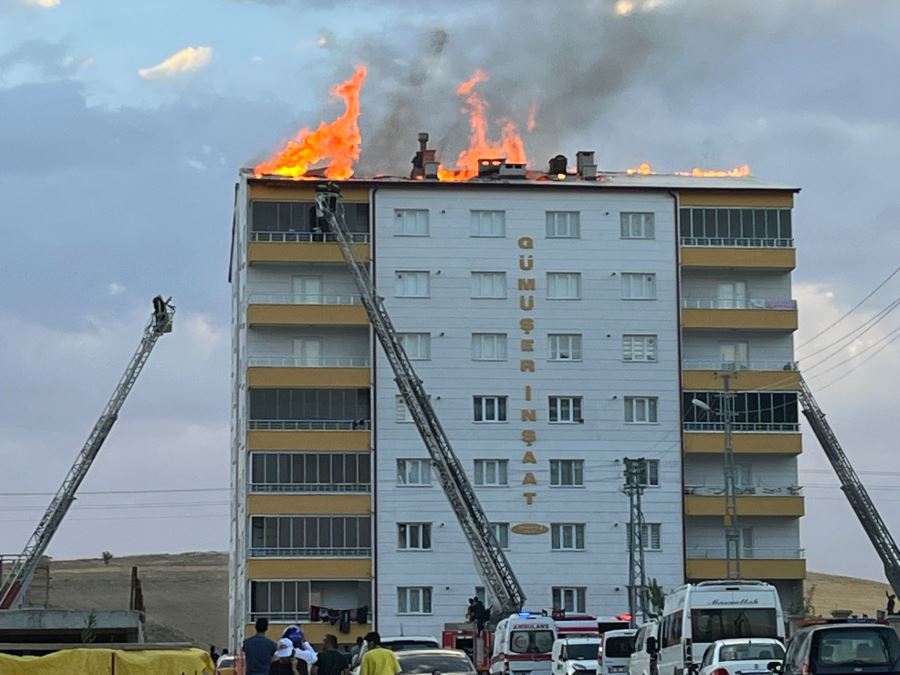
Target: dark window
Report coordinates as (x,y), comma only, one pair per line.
(684,217)
(309,404)
(618,647)
(853,647)
(709,625)
(784,227)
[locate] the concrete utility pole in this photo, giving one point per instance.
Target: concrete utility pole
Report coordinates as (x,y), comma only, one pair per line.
(635,469)
(732,531)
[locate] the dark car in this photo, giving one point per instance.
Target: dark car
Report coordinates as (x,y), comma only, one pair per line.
(428,661)
(841,649)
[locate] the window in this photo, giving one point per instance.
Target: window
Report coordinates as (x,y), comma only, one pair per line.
(565,410)
(414,599)
(501,531)
(638,286)
(490,408)
(563,225)
(648,473)
(732,295)
(488,284)
(564,346)
(283,408)
(488,224)
(641,409)
(564,285)
(650,535)
(417,345)
(637,348)
(411,222)
(310,472)
(638,226)
(753,411)
(413,284)
(279,600)
(566,472)
(735,355)
(310,536)
(743,475)
(413,472)
(488,346)
(491,472)
(481,594)
(414,536)
(736,227)
(746,542)
(567,536)
(569,599)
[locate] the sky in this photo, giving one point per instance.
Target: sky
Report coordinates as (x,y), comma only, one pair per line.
(123,127)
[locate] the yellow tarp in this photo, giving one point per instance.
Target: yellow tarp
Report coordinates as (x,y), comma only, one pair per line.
(103,661)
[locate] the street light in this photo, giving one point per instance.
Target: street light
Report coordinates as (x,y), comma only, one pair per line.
(701,404)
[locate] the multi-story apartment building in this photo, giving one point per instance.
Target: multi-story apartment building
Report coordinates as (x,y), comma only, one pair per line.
(544,315)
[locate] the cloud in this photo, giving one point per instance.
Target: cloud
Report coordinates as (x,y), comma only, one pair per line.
(183,61)
(115,288)
(46,4)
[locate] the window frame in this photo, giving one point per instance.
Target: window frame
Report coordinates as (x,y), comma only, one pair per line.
(558,536)
(558,275)
(399,283)
(425,594)
(501,408)
(579,595)
(407,337)
(646,278)
(554,226)
(499,339)
(556,473)
(423,471)
(628,352)
(555,340)
(651,405)
(648,470)
(556,404)
(626,231)
(501,471)
(648,530)
(413,536)
(401,220)
(493,276)
(475,231)
(501,532)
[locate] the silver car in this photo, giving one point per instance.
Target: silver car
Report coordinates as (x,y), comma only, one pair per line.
(740,656)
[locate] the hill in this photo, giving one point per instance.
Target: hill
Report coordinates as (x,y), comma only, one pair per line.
(186,594)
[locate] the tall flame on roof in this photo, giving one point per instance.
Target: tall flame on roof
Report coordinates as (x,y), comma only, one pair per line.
(641,170)
(737,172)
(510,147)
(338,141)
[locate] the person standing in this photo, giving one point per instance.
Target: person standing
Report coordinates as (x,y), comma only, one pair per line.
(258,650)
(354,651)
(331,661)
(284,662)
(378,660)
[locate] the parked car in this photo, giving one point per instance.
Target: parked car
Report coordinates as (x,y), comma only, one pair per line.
(639,661)
(858,648)
(572,655)
(428,661)
(615,651)
(401,643)
(739,656)
(225,665)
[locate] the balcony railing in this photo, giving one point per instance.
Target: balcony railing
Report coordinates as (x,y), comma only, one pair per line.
(309,425)
(750,303)
(306,237)
(738,242)
(298,616)
(309,361)
(292,299)
(266,552)
(718,364)
(748,553)
(318,488)
(745,490)
(772,427)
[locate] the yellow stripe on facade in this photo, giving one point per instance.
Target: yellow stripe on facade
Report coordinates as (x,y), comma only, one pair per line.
(308,440)
(735,198)
(283,504)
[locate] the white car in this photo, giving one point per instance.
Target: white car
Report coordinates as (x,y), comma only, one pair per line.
(740,656)
(575,656)
(615,651)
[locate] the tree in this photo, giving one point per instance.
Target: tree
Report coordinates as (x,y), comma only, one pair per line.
(657,596)
(88,634)
(107,556)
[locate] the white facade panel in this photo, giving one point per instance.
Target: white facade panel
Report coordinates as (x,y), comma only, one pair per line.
(602,379)
(705,284)
(335,342)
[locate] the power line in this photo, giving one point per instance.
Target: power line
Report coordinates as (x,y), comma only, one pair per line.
(101,507)
(116,492)
(857,354)
(868,325)
(860,364)
(180,516)
(852,309)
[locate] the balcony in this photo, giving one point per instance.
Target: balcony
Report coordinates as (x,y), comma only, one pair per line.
(750,375)
(306,310)
(753,314)
(273,552)
(711,442)
(301,504)
(738,253)
(784,501)
(757,563)
(303,247)
(309,425)
(737,427)
(304,371)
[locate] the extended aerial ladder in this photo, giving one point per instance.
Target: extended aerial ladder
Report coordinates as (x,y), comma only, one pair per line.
(491,562)
(853,488)
(14,586)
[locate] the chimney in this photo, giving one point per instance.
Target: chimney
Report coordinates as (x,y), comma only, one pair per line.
(489,167)
(424,163)
(558,165)
(585,162)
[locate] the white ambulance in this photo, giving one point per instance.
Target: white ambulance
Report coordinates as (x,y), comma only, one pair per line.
(523,645)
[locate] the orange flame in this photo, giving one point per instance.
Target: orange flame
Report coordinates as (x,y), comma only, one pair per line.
(338,141)
(642,170)
(737,172)
(510,146)
(532,116)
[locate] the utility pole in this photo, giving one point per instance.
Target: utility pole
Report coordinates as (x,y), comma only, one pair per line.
(637,577)
(732,531)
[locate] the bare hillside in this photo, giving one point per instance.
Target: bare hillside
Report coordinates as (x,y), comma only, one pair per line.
(828,592)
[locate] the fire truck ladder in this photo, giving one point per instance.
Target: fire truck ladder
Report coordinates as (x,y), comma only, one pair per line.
(493,567)
(15,586)
(853,488)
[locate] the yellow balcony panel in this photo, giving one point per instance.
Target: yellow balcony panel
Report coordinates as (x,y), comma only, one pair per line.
(762,505)
(736,198)
(291,504)
(284,189)
(306,315)
(769,569)
(308,377)
(750,443)
(309,440)
(744,380)
(302,252)
(712,257)
(740,319)
(309,568)
(315,632)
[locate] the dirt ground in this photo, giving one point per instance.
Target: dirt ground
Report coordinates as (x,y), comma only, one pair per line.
(186,594)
